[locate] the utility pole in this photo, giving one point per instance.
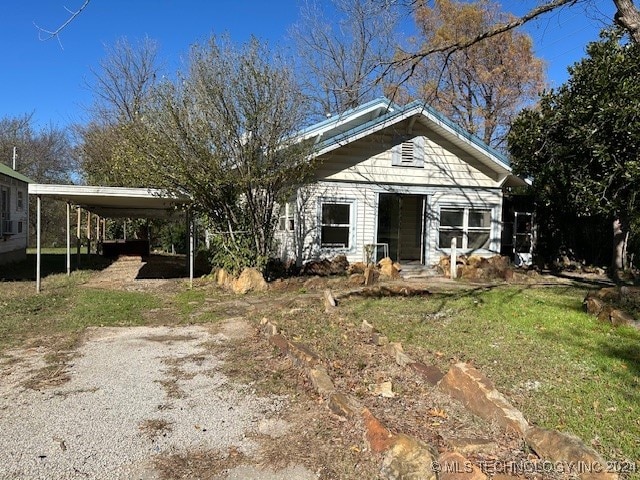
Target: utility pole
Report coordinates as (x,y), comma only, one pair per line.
(14,157)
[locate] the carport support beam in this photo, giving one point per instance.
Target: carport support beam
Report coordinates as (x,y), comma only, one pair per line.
(78,238)
(191,246)
(68,239)
(38,249)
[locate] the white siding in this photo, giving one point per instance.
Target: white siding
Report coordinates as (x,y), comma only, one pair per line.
(364,199)
(358,172)
(371,160)
(13,246)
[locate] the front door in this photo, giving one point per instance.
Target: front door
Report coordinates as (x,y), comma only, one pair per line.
(401,226)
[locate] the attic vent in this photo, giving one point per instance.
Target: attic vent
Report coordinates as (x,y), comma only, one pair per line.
(409,153)
(406,152)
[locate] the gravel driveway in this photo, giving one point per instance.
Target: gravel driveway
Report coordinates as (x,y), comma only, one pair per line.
(134,395)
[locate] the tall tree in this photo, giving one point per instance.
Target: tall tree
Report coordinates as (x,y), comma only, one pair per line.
(482,87)
(581,144)
(224,133)
(121,87)
(44,155)
(342,58)
(627,16)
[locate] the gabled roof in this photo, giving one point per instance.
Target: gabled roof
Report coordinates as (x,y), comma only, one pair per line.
(10,172)
(382,113)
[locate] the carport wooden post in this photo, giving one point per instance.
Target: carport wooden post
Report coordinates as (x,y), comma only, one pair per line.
(68,238)
(38,249)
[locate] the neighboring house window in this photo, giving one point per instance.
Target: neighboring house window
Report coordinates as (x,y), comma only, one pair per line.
(20,201)
(19,227)
(470,226)
(286,221)
(409,153)
(335,225)
(5,217)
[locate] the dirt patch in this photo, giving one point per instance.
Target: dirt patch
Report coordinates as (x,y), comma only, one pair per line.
(155,427)
(201,464)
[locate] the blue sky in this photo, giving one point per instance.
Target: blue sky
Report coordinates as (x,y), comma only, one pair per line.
(43,78)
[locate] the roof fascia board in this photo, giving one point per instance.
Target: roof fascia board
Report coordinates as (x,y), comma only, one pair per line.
(376,125)
(84,190)
(320,128)
(417,108)
(10,172)
(465,137)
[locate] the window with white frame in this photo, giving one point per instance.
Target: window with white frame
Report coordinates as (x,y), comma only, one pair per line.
(409,153)
(20,201)
(471,227)
(335,224)
(286,220)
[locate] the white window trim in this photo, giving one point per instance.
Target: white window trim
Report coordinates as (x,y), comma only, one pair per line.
(493,237)
(352,223)
(400,158)
(288,214)
(19,200)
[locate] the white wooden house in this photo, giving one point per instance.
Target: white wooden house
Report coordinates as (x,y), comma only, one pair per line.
(14,215)
(396,181)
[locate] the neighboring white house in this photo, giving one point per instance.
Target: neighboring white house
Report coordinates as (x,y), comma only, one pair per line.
(14,215)
(396,181)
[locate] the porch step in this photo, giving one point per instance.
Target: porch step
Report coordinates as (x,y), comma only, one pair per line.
(418,271)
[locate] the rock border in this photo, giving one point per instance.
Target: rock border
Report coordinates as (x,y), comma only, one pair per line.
(406,457)
(600,303)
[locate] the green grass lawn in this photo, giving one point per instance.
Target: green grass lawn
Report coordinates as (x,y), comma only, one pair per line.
(63,308)
(563,368)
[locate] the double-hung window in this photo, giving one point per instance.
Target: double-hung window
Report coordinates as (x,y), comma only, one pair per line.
(286,220)
(335,224)
(471,227)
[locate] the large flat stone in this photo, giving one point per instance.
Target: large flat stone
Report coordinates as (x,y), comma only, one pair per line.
(478,394)
(409,459)
(303,355)
(571,451)
(430,373)
(321,381)
(455,466)
(343,405)
(377,435)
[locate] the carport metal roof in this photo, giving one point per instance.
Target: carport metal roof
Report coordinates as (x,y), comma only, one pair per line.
(111,202)
(115,202)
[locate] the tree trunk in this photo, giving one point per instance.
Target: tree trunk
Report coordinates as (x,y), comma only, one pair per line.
(617,264)
(628,17)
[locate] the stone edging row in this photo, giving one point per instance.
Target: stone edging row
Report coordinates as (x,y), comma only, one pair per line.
(406,457)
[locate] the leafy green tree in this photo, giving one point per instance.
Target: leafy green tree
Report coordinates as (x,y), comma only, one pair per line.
(581,144)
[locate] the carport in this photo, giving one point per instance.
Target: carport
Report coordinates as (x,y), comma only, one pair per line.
(111,202)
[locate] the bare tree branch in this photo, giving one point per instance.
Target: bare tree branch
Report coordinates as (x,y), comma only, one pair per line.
(44,35)
(409,61)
